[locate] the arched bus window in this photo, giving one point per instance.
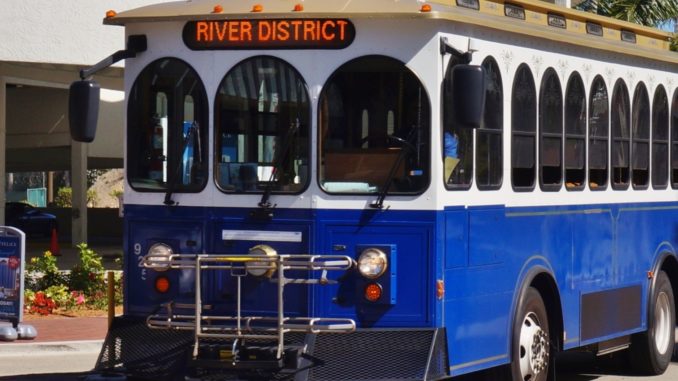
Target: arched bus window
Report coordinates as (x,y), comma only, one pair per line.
(523,129)
(674,141)
(660,139)
(457,142)
(489,149)
(167,127)
(575,133)
(361,103)
(620,121)
(551,131)
(640,148)
(261,123)
(599,131)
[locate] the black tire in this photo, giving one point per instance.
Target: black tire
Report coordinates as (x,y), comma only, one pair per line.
(651,350)
(531,352)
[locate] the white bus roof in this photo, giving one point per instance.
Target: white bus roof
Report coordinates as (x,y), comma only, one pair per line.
(615,36)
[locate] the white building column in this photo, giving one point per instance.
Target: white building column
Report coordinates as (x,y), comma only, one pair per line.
(79,186)
(3,144)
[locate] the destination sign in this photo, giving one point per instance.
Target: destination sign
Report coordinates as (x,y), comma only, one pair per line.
(269,34)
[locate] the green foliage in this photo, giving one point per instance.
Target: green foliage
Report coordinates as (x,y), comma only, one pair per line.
(644,12)
(88,275)
(43,272)
(64,197)
(85,288)
(673,42)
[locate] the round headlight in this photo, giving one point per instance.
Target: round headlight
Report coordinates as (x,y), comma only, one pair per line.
(261,268)
(372,263)
(159,257)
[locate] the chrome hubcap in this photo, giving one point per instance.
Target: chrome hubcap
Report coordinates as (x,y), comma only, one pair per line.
(534,349)
(662,323)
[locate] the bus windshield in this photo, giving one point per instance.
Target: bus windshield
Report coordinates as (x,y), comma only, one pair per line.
(261,118)
(374,129)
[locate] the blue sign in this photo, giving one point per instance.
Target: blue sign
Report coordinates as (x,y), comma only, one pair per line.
(11,274)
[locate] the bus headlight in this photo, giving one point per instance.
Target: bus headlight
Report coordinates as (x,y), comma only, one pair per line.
(372,263)
(158,257)
(261,268)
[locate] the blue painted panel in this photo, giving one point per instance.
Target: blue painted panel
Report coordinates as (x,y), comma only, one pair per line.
(456,238)
(415,286)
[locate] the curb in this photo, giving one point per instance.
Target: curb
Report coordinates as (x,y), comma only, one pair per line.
(55,347)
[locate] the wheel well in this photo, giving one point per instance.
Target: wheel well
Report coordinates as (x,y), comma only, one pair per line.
(546,286)
(670,267)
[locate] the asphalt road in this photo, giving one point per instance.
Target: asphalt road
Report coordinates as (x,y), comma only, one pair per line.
(570,367)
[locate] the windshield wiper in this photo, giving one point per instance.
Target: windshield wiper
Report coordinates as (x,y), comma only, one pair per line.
(193,130)
(266,205)
(379,203)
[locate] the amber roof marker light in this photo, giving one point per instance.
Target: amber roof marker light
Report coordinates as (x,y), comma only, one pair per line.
(217,9)
(425,8)
(111,13)
(298,7)
(257,8)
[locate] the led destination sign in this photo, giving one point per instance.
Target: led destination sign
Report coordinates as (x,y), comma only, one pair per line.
(269,34)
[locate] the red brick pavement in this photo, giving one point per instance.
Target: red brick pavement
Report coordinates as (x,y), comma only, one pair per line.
(67,329)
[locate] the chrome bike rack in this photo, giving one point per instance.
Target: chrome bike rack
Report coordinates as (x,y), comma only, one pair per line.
(240,327)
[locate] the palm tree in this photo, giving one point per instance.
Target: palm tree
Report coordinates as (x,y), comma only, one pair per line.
(646,12)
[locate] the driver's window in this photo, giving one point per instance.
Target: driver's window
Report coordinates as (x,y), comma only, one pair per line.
(374,129)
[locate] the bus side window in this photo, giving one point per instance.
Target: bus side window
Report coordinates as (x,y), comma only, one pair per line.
(524,127)
(489,140)
(640,147)
(550,132)
(674,141)
(457,143)
(620,124)
(660,139)
(575,133)
(599,131)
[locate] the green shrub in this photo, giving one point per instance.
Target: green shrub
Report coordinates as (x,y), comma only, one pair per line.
(43,273)
(88,275)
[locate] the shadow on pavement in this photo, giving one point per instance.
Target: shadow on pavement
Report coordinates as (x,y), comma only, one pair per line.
(46,377)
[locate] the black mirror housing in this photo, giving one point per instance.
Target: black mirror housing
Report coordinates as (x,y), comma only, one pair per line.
(468,95)
(83,110)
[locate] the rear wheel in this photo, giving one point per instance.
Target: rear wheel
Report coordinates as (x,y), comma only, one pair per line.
(531,351)
(651,350)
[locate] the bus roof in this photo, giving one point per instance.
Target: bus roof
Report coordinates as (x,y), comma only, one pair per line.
(527,17)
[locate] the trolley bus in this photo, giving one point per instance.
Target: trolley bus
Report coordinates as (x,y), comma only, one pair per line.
(391,189)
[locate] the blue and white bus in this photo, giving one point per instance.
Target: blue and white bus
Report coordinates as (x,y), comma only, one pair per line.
(391,189)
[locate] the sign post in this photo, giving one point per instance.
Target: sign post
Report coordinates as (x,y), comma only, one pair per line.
(12,259)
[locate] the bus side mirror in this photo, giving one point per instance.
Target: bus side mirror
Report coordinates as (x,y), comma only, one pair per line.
(468,95)
(83,110)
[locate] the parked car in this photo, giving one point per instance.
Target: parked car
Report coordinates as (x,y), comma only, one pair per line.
(32,221)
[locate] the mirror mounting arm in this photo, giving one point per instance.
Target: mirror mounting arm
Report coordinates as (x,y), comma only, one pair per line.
(446,48)
(135,44)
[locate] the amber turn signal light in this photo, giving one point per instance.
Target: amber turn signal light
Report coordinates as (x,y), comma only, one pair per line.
(373,292)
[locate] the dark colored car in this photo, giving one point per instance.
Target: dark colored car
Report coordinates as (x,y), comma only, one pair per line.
(32,221)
